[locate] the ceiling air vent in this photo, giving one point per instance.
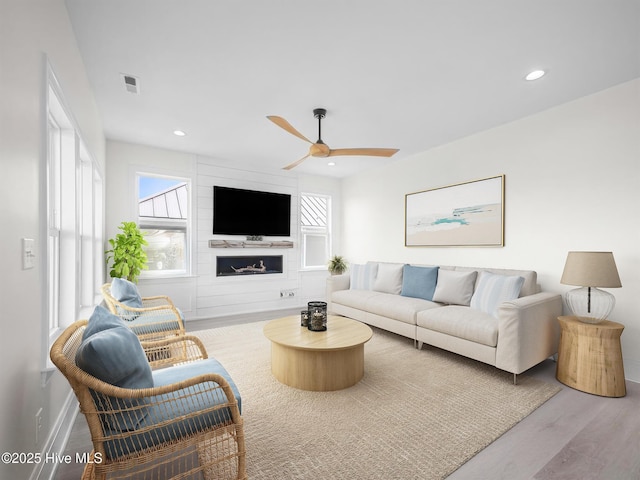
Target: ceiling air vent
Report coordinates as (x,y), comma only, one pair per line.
(131,83)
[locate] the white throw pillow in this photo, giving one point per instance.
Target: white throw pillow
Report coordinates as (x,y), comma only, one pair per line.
(362,276)
(493,290)
(454,288)
(389,278)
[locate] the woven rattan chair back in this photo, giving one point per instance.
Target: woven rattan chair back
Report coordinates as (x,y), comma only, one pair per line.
(157,318)
(191,428)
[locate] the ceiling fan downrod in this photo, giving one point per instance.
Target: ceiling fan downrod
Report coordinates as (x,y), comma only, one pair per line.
(319,113)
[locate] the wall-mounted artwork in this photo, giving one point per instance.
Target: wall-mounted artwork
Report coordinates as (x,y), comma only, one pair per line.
(465,214)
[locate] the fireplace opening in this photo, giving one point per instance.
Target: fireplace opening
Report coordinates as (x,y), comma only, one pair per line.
(228,266)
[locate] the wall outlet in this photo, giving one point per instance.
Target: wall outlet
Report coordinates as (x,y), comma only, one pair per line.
(287,293)
(38,425)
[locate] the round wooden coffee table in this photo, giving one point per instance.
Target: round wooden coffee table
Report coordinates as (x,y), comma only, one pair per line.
(318,361)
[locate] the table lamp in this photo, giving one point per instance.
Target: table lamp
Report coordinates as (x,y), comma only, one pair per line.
(590,270)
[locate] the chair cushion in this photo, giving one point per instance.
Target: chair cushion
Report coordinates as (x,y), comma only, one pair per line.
(419,282)
(362,276)
(155,321)
(154,429)
(493,290)
(126,292)
(454,288)
(101,319)
(116,357)
(389,278)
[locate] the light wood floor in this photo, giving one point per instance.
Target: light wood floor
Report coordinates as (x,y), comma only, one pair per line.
(574,435)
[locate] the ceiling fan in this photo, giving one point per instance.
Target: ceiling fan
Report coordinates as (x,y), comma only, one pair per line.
(321,149)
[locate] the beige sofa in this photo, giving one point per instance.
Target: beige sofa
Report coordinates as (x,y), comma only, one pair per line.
(496,316)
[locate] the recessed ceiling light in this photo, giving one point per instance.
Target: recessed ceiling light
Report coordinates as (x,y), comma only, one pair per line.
(535,75)
(179,133)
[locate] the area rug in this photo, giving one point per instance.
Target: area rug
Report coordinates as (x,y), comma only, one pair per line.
(416,414)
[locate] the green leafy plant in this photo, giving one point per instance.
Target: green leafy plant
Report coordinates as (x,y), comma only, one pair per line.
(128,256)
(337,265)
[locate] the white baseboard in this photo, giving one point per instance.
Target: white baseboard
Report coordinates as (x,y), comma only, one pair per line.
(56,443)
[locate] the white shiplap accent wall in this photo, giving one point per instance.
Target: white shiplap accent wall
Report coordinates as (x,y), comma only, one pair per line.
(218,296)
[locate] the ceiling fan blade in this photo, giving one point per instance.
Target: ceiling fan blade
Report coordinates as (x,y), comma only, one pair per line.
(367,152)
(296,163)
(282,123)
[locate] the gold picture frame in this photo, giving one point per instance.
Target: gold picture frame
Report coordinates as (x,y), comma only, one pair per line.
(468,214)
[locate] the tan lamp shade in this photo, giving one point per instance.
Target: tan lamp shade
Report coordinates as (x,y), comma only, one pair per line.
(591,269)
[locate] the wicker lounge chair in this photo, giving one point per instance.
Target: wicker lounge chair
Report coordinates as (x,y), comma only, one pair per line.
(155,318)
(186,425)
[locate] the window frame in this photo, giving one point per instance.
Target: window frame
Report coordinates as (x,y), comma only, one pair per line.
(307,231)
(73,207)
(151,223)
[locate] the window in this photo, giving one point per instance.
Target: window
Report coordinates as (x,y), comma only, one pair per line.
(315,229)
(54,161)
(74,230)
(163,216)
(89,211)
(62,248)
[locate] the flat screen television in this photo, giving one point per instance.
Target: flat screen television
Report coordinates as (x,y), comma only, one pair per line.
(251,212)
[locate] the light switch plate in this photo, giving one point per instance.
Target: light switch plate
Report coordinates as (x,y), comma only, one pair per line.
(28,253)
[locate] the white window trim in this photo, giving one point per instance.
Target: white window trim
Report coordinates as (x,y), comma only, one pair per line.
(68,287)
(135,171)
(304,230)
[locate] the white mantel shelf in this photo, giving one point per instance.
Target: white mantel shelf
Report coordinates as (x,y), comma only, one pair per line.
(248,244)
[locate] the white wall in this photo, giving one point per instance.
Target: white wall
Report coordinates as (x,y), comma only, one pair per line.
(572,183)
(202,294)
(28,31)
(219,296)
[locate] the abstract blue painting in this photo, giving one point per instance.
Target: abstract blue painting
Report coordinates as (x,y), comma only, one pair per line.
(465,214)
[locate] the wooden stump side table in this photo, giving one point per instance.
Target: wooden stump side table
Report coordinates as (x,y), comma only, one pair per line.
(590,357)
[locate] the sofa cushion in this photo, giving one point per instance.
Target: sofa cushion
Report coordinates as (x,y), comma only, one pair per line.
(389,305)
(419,282)
(354,298)
(362,276)
(454,288)
(494,289)
(530,286)
(462,322)
(397,307)
(389,278)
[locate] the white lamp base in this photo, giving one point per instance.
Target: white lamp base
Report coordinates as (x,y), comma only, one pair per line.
(590,304)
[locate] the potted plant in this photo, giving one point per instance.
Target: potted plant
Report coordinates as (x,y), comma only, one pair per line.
(129,259)
(337,265)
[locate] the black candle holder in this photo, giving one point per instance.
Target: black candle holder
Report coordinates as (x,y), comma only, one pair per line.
(317,316)
(304,318)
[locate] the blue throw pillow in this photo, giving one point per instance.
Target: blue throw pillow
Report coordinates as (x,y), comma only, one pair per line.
(419,282)
(116,357)
(101,319)
(494,289)
(126,292)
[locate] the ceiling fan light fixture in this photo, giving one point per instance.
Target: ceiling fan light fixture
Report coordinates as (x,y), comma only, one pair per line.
(535,75)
